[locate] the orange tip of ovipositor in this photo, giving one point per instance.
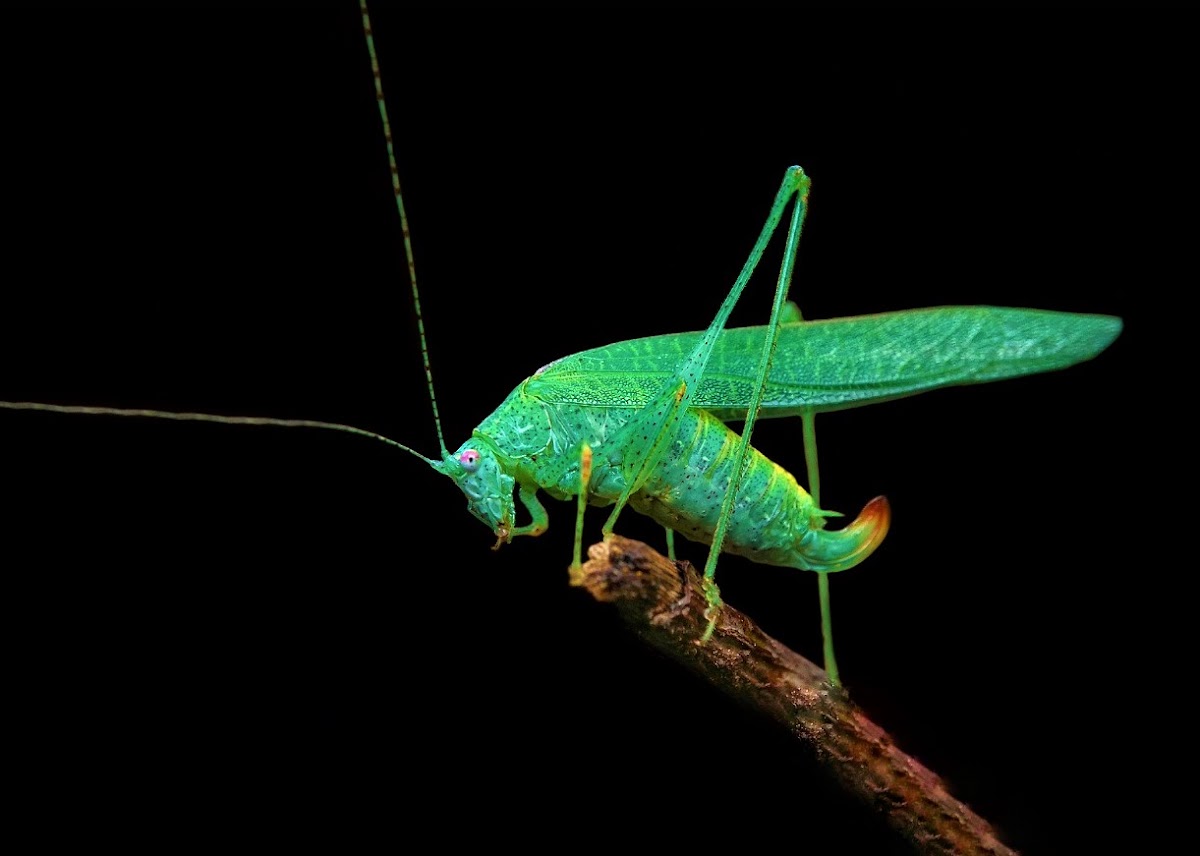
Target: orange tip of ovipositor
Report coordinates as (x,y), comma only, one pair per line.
(829,551)
(876,517)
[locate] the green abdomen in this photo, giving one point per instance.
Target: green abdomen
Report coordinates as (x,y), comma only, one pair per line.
(772,515)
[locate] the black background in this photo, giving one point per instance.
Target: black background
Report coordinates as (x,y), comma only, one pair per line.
(300,631)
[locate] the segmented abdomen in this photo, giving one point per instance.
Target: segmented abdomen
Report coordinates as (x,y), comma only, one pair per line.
(772,514)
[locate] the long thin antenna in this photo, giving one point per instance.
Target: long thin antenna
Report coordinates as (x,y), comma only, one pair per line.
(209,417)
(408,252)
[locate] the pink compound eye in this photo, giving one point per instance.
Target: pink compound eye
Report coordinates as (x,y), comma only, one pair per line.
(469,459)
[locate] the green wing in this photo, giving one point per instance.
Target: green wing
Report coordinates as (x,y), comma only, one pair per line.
(836,363)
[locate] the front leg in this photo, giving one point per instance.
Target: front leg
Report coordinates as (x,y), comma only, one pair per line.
(540,521)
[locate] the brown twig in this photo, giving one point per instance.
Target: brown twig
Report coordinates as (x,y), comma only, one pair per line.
(665,605)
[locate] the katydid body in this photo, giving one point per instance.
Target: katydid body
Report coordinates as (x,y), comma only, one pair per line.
(599,398)
(641,423)
(536,443)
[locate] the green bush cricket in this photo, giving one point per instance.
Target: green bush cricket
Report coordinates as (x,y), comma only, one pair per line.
(659,393)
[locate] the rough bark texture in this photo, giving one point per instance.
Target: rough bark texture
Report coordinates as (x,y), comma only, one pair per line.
(664,603)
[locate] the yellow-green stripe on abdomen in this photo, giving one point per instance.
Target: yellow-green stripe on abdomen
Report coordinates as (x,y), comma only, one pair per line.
(772,517)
